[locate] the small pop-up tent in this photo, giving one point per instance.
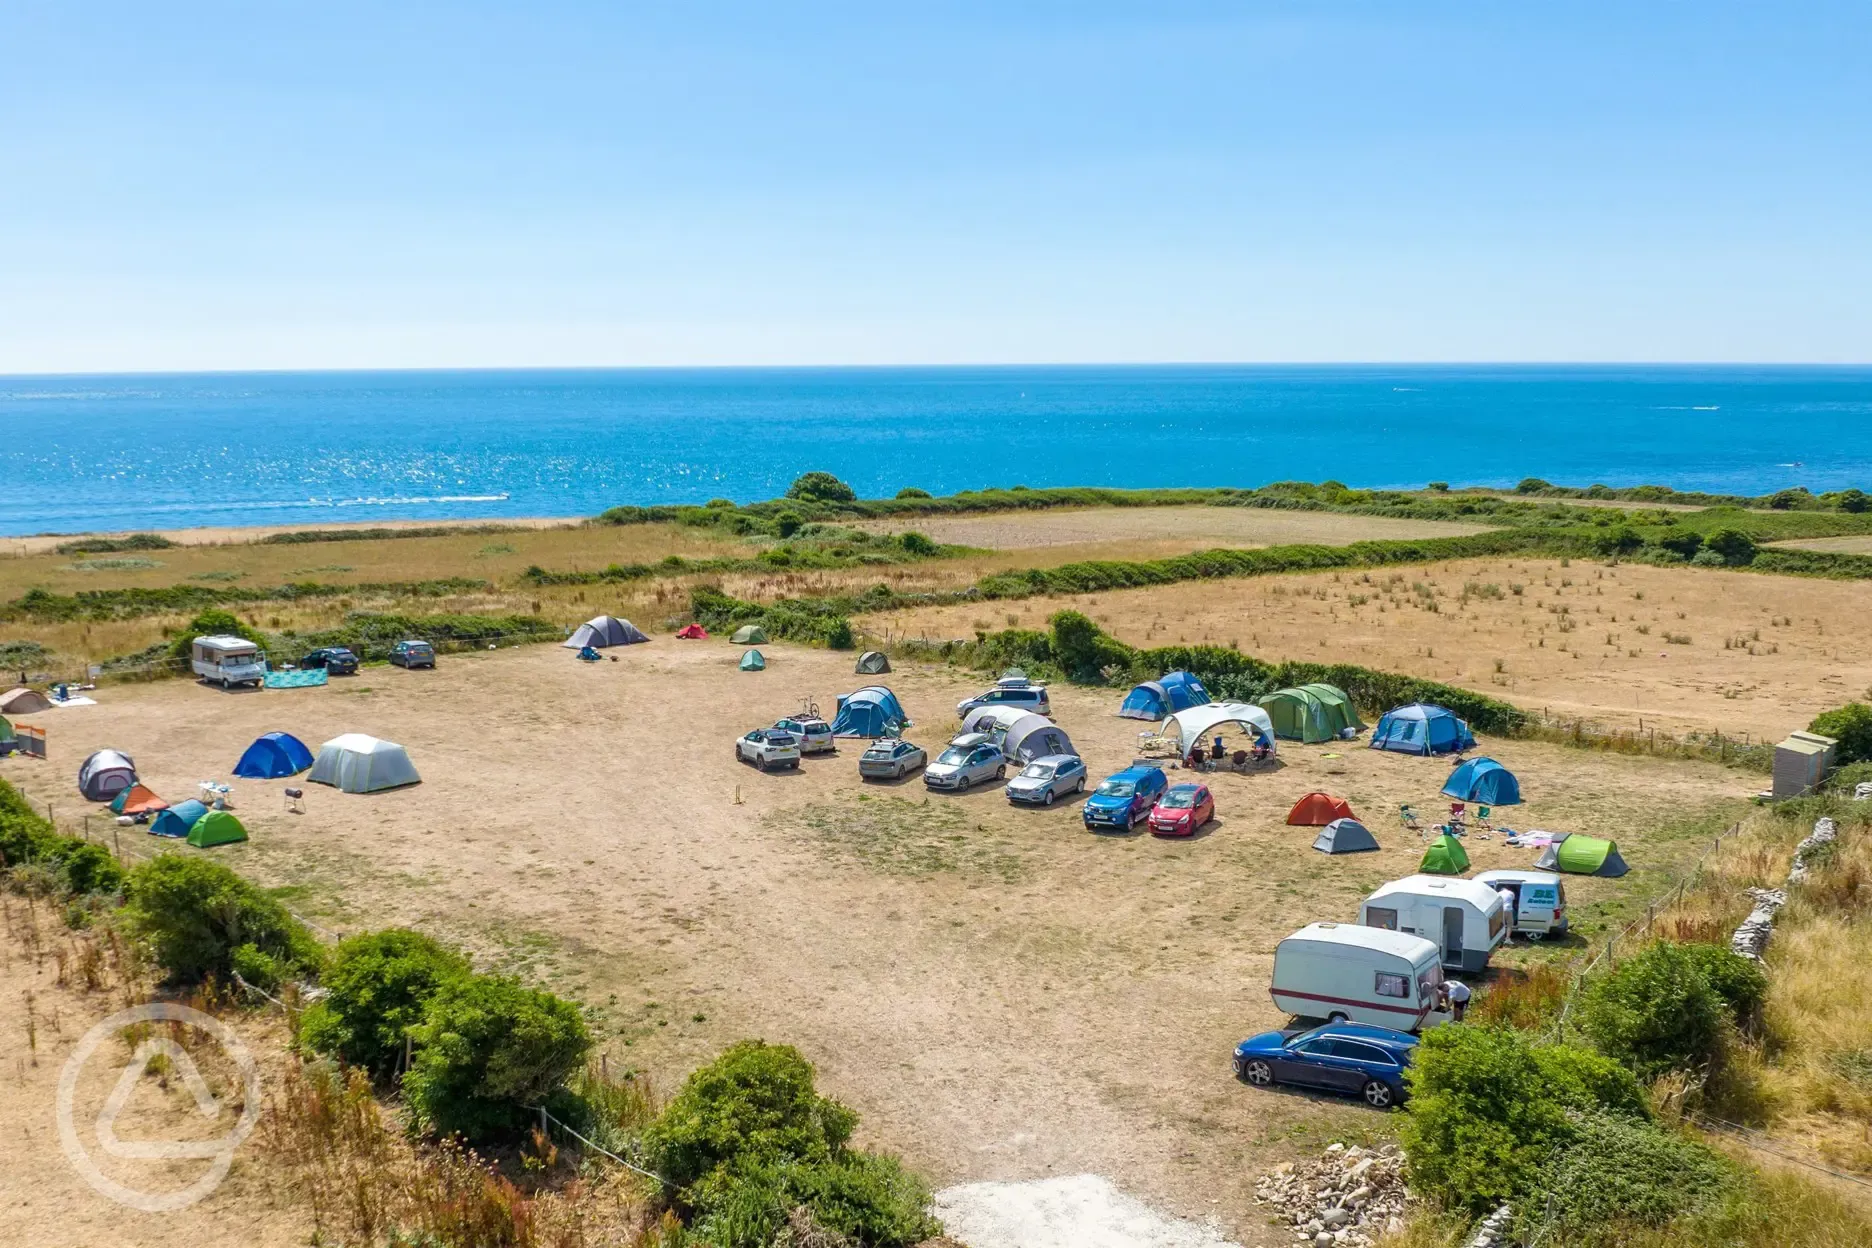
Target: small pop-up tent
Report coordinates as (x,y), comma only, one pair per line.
(752,661)
(1445,856)
(1421,729)
(23,701)
(872,663)
(217,827)
(692,632)
(137,800)
(1485,782)
(274,756)
(1582,855)
(106,774)
(604,630)
(1195,726)
(749,635)
(1317,809)
(178,819)
(873,711)
(1344,836)
(1161,698)
(358,763)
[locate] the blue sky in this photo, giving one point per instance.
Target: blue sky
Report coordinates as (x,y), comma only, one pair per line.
(285,185)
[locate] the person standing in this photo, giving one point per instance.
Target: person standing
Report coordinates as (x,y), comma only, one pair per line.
(1508,900)
(1458,999)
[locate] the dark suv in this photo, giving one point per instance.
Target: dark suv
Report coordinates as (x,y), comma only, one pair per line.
(335,659)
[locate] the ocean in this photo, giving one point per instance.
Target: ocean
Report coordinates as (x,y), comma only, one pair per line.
(113,452)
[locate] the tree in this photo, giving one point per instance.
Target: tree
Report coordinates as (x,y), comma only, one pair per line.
(1784,500)
(1854,501)
(1735,546)
(377,987)
(1685,543)
(487,1050)
(821,487)
(1851,726)
(1532,485)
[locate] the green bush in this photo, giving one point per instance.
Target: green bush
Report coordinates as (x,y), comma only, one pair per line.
(487,1050)
(1851,726)
(1685,544)
(1708,559)
(911,491)
(787,523)
(193,913)
(1853,501)
(1655,1012)
(78,865)
(1622,540)
(916,543)
(749,1138)
(1739,983)
(821,487)
(1082,649)
(213,622)
(1617,1173)
(1735,546)
(378,986)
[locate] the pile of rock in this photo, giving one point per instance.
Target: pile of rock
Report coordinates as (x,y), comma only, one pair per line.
(1346,1199)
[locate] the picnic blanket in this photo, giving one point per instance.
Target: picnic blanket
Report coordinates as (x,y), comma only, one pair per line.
(76,699)
(302,679)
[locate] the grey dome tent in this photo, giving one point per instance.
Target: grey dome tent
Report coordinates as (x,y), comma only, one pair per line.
(1344,836)
(106,774)
(604,630)
(872,663)
(1034,736)
(358,763)
(24,701)
(749,635)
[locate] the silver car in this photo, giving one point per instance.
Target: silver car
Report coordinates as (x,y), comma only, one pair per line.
(1022,696)
(890,759)
(970,759)
(1047,778)
(814,735)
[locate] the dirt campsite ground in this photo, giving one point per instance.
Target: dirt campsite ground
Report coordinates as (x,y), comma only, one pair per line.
(1679,649)
(999,993)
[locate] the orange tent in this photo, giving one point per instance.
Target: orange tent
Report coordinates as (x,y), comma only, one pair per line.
(692,632)
(1317,809)
(138,800)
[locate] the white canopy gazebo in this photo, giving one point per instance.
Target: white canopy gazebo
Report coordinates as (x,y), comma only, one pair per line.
(1190,728)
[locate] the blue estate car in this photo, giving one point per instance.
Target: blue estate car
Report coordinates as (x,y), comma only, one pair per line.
(1354,1058)
(1124,800)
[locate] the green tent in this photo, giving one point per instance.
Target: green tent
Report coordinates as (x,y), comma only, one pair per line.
(6,729)
(1310,713)
(1338,706)
(750,635)
(1445,856)
(753,662)
(217,827)
(1582,855)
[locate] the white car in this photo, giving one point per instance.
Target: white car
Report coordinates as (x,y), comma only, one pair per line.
(815,735)
(970,759)
(1023,696)
(768,747)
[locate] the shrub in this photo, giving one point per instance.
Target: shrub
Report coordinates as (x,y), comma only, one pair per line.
(1622,540)
(487,1050)
(749,1139)
(720,504)
(787,523)
(821,487)
(1739,983)
(1708,559)
(911,491)
(213,622)
(378,986)
(1685,544)
(1620,1172)
(1655,1012)
(1784,500)
(915,543)
(87,868)
(193,914)
(76,866)
(1853,500)
(1438,487)
(1532,485)
(1851,726)
(1082,648)
(1735,546)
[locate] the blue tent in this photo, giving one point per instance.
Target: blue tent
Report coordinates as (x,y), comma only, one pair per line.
(178,819)
(274,757)
(1485,782)
(1160,699)
(871,712)
(1421,729)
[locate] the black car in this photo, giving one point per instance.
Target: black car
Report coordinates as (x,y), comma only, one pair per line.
(335,659)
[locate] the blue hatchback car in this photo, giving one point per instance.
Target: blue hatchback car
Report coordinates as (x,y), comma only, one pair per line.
(1124,800)
(1353,1058)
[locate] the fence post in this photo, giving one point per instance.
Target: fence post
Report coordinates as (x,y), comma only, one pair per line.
(117,841)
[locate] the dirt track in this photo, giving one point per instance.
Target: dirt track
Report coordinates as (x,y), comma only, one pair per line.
(999,993)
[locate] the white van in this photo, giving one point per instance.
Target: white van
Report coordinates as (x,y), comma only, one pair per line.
(1540,900)
(1345,973)
(1465,918)
(228,661)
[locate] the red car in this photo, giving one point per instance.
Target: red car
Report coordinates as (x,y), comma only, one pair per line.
(1181,810)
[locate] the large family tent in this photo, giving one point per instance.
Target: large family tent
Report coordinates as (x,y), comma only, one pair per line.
(1193,727)
(872,663)
(1582,855)
(992,719)
(178,819)
(1421,729)
(1034,736)
(106,774)
(1446,856)
(1318,809)
(274,757)
(23,701)
(217,827)
(692,632)
(872,711)
(1485,782)
(358,763)
(1344,836)
(753,661)
(137,800)
(1311,713)
(604,630)
(1159,699)
(749,635)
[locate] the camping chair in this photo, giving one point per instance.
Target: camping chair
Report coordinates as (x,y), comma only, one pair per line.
(1456,810)
(1482,818)
(1409,819)
(1239,758)
(1261,753)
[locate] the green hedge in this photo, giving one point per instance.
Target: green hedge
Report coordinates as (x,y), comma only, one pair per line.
(26,837)
(121,604)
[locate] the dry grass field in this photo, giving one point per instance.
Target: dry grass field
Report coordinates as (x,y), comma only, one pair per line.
(1856,544)
(1676,648)
(998,992)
